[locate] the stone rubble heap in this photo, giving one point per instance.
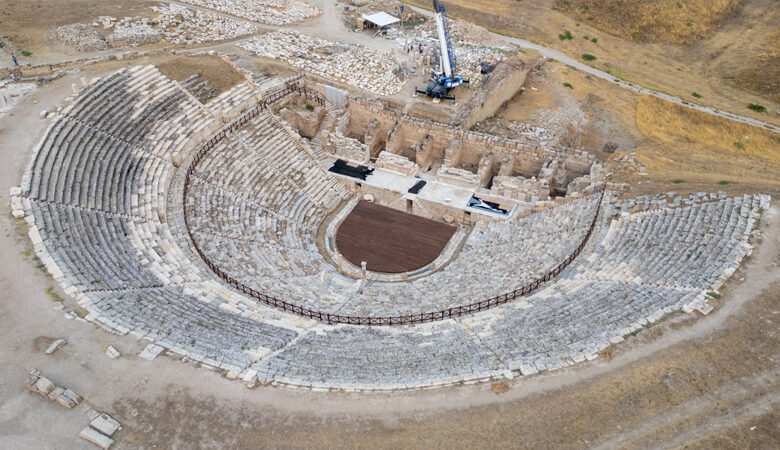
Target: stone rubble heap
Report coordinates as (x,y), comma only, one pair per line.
(173,23)
(81,37)
(349,64)
(466,33)
(179,25)
(423,49)
(271,12)
(131,33)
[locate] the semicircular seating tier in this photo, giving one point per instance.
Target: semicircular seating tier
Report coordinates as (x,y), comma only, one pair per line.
(96,195)
(255,203)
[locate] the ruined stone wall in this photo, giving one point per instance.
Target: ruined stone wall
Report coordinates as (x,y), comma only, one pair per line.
(501,85)
(411,131)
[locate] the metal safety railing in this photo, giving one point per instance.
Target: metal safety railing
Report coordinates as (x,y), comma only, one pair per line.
(455,311)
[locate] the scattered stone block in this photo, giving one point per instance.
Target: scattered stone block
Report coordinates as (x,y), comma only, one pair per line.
(55,345)
(151,351)
(69,399)
(55,393)
(44,385)
(105,424)
(112,352)
(96,437)
(32,379)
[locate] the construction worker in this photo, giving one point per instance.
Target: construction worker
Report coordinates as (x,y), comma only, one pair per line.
(15,61)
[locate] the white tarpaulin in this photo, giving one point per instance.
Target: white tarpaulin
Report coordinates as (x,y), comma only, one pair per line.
(381,19)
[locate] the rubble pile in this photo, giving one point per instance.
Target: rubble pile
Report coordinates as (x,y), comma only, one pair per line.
(350,64)
(271,12)
(173,23)
(468,57)
(81,37)
(466,33)
(425,50)
(131,34)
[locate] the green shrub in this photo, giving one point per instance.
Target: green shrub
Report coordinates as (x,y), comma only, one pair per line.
(739,145)
(723,182)
(565,36)
(588,57)
(568,85)
(678,181)
(756,107)
(309,107)
(26,53)
(594,40)
(696,94)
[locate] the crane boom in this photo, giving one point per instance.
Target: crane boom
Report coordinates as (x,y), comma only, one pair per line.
(447,62)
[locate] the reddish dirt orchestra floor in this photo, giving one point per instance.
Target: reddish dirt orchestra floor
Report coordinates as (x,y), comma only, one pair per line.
(389,240)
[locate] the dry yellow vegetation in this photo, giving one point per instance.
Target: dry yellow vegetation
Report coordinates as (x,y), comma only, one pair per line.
(211,68)
(762,73)
(673,21)
(692,145)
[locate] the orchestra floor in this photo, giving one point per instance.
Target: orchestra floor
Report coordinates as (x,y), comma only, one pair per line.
(389,240)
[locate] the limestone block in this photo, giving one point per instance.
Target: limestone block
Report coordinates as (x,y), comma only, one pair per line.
(151,351)
(95,437)
(112,352)
(55,345)
(44,385)
(105,424)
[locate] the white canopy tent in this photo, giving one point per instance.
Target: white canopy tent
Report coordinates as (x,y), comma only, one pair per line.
(380,19)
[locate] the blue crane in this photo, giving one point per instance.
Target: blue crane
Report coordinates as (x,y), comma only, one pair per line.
(444,79)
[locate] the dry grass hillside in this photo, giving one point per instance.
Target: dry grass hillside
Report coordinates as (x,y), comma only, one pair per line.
(761,74)
(673,21)
(689,146)
(219,73)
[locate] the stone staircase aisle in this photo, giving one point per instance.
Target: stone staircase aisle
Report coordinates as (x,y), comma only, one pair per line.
(327,125)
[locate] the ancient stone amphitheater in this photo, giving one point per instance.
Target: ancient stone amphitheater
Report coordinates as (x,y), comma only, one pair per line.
(207,229)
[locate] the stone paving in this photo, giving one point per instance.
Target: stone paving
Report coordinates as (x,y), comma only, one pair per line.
(95,197)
